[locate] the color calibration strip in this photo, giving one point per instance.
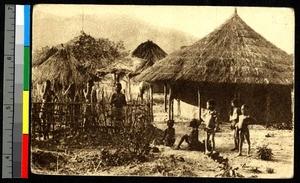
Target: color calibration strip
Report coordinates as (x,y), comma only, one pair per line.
(16,92)
(26,86)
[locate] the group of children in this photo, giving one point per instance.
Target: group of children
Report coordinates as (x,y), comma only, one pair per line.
(239,124)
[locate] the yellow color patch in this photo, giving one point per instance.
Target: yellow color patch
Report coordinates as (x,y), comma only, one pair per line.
(25,112)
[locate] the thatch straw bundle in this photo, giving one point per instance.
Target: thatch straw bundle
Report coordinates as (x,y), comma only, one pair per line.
(62,67)
(75,61)
(233,53)
(43,55)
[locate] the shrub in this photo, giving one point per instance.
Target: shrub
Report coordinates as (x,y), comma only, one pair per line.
(282,126)
(255,170)
(264,153)
(270,170)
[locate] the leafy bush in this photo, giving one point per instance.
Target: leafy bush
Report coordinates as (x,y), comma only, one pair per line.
(282,126)
(264,153)
(137,139)
(230,172)
(270,170)
(255,170)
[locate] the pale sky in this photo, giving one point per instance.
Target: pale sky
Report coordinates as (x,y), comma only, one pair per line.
(275,24)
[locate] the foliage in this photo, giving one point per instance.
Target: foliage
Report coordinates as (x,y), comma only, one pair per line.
(255,170)
(96,53)
(282,126)
(270,170)
(264,153)
(230,173)
(136,140)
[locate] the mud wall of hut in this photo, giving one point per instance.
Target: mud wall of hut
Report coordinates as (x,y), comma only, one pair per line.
(255,96)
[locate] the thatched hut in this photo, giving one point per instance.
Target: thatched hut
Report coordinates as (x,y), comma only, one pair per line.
(232,61)
(124,70)
(73,62)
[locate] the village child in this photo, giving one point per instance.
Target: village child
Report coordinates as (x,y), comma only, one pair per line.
(89,96)
(192,138)
(243,130)
(70,93)
(46,108)
(209,116)
(118,101)
(235,112)
(169,135)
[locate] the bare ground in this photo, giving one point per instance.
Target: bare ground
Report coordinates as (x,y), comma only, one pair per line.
(171,162)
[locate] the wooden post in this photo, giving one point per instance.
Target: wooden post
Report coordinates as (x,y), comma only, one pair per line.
(199,101)
(129,89)
(237,93)
(170,103)
(172,109)
(267,106)
(151,101)
(165,97)
(178,107)
(115,78)
(292,105)
(118,78)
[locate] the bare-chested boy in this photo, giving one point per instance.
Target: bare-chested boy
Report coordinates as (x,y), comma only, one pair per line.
(243,131)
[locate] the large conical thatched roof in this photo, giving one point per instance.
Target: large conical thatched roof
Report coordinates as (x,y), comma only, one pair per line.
(233,53)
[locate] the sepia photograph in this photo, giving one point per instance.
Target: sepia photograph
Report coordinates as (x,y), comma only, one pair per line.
(164,91)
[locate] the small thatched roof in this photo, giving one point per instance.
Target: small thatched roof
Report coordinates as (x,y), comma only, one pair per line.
(150,52)
(233,53)
(144,56)
(126,65)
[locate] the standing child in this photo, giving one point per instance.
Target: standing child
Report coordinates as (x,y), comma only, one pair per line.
(243,131)
(47,109)
(192,139)
(169,136)
(234,118)
(209,116)
(88,120)
(118,102)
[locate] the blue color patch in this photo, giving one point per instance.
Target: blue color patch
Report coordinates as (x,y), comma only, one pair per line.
(26,25)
